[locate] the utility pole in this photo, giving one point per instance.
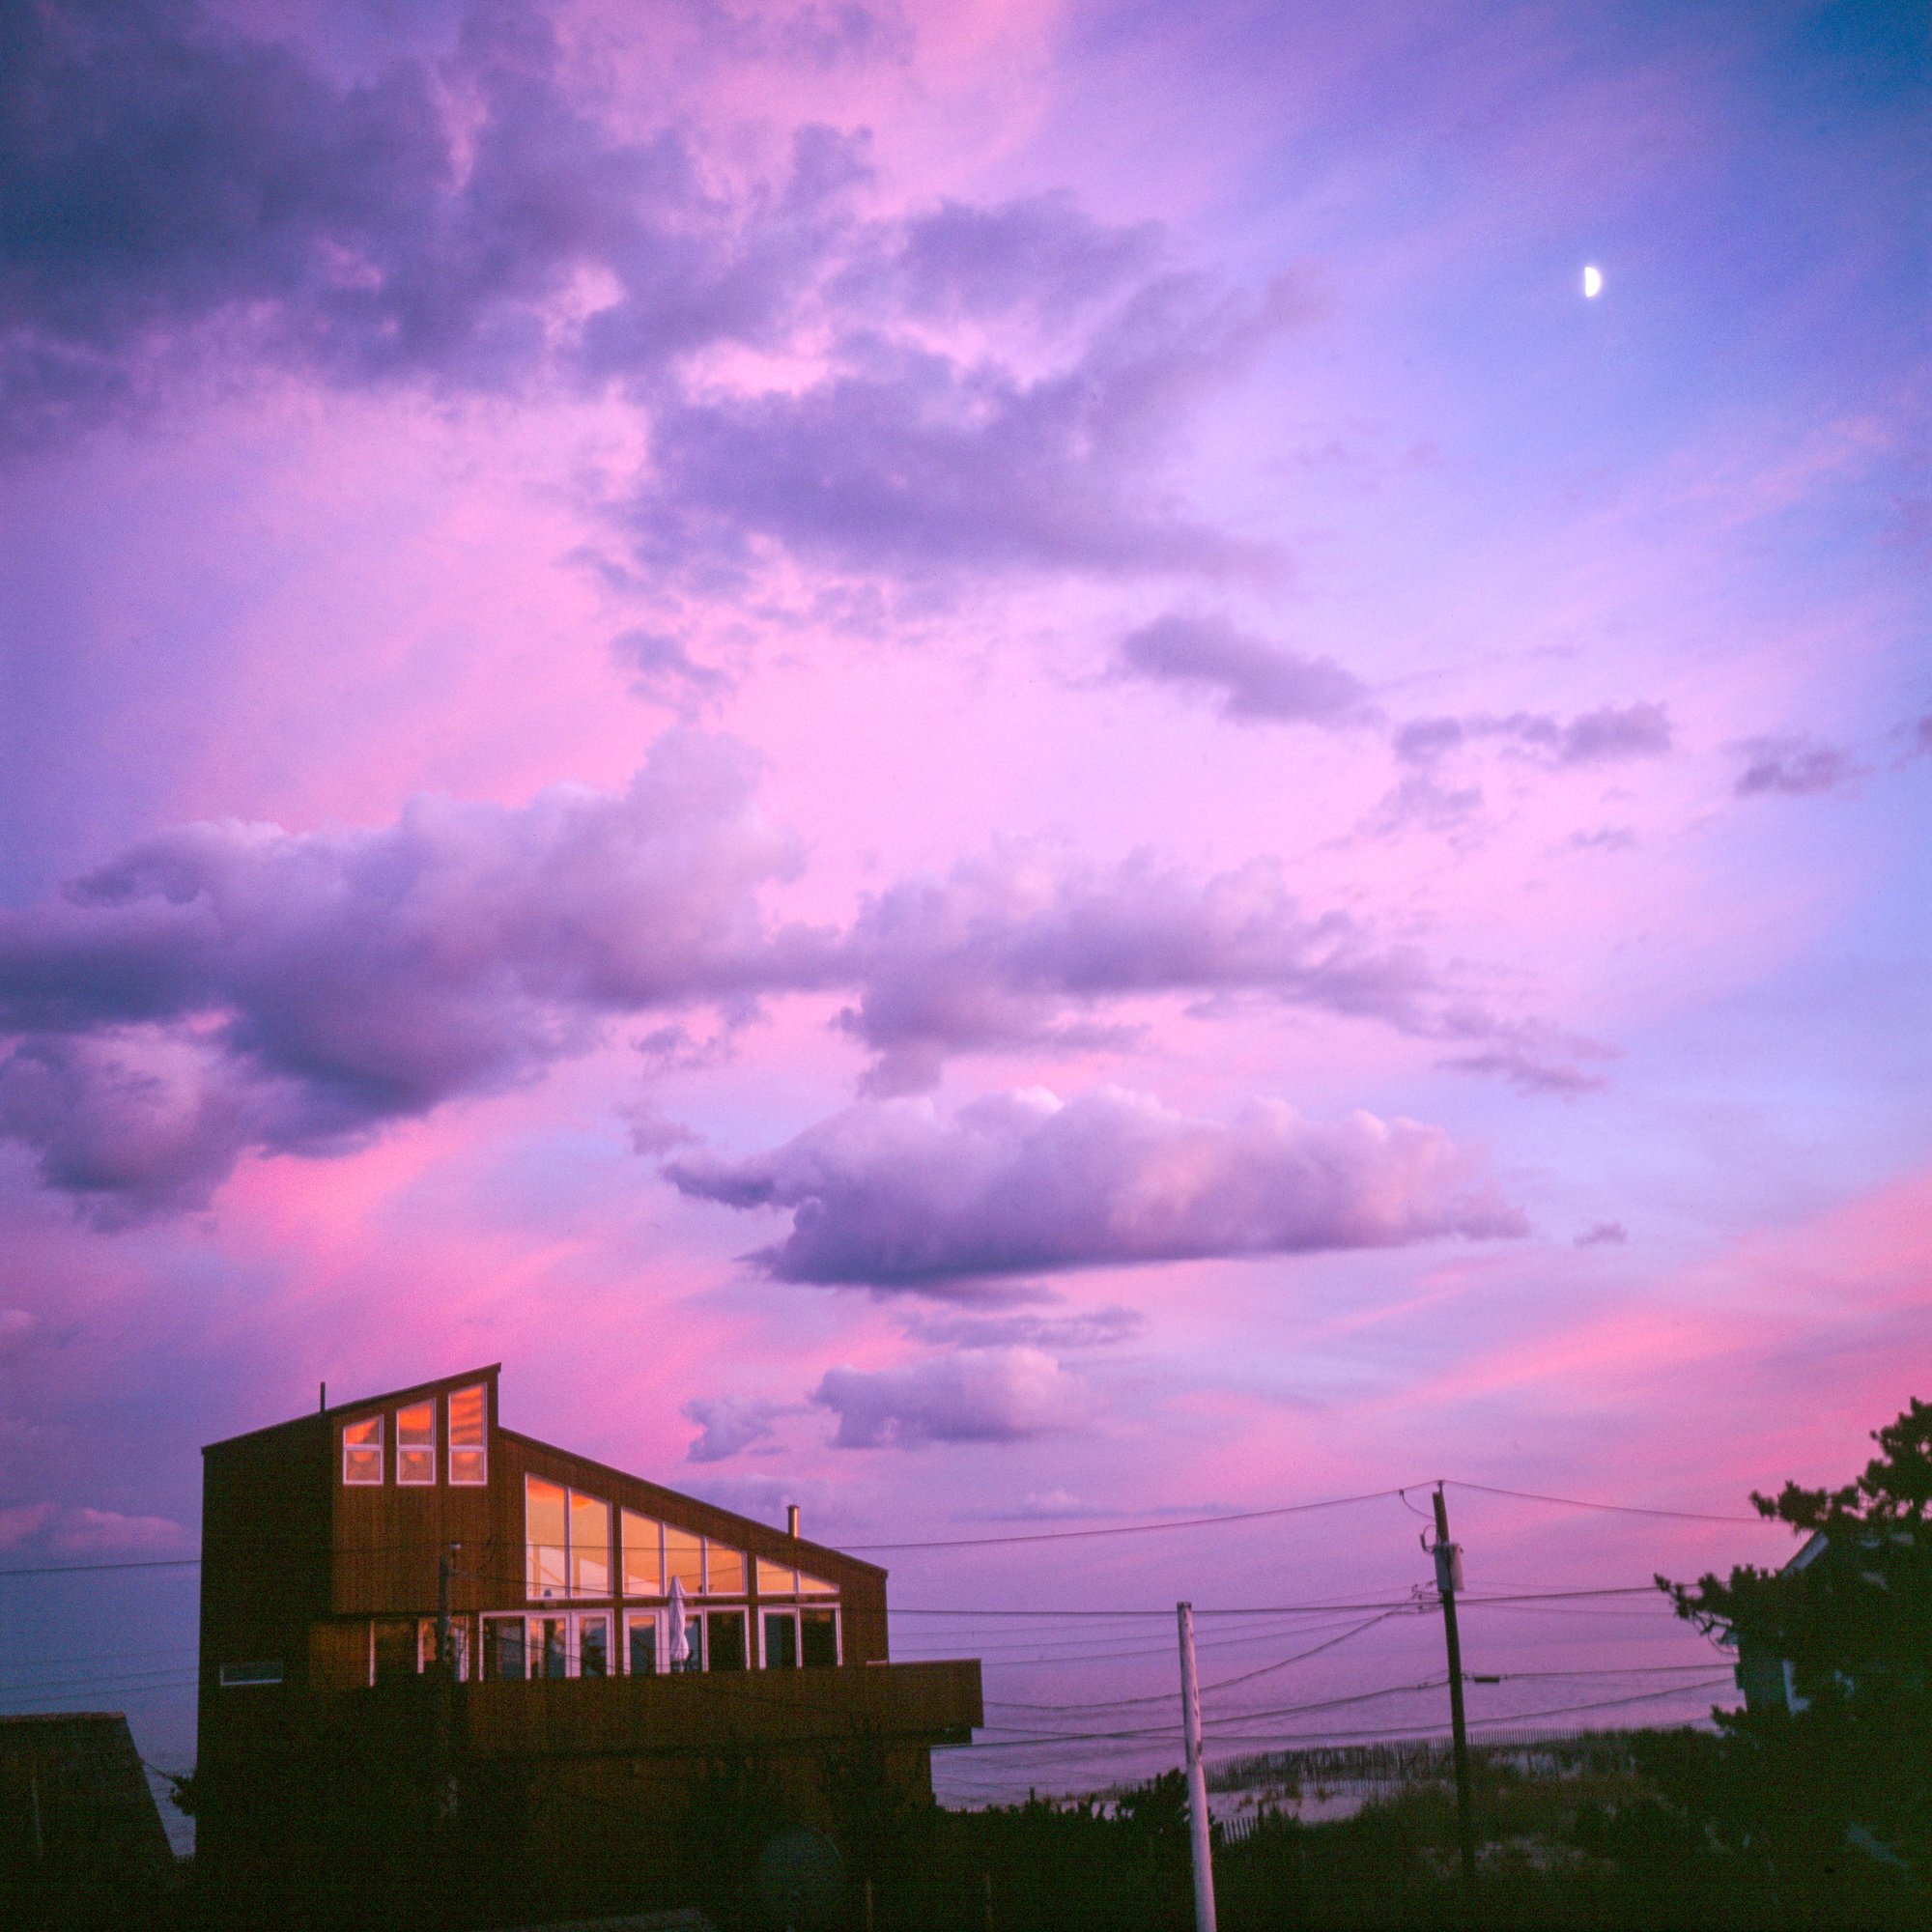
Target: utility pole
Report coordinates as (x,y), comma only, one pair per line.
(1197,1776)
(1448,1580)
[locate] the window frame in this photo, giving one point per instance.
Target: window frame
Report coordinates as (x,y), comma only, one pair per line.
(777,1612)
(574,1654)
(379,1446)
(742,1611)
(653,1620)
(480,1448)
(625,1518)
(535,1589)
(836,1611)
(262,1674)
(522,1623)
(565,1590)
(573,1558)
(424,1455)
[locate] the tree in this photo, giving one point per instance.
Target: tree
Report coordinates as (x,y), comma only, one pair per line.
(1833,1795)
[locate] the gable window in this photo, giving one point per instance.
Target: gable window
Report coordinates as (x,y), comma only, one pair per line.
(362,1450)
(416,1443)
(777,1579)
(723,1570)
(469,1446)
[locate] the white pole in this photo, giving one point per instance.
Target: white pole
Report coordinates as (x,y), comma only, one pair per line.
(1196,1777)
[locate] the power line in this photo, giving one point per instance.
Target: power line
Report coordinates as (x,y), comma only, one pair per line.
(1616,1509)
(1204,1521)
(1125,1528)
(1223,1684)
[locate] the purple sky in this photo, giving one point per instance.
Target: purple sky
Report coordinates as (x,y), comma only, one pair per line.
(985,765)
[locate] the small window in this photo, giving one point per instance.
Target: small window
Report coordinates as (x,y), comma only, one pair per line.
(589,1547)
(416,1443)
(545,1519)
(818,1638)
(724,1570)
(814,1587)
(468,1450)
(362,1450)
(643,1556)
(777,1579)
(240,1676)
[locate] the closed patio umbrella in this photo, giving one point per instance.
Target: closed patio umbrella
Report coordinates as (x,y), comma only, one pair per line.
(680,1637)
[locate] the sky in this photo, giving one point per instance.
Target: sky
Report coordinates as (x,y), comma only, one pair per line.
(985,765)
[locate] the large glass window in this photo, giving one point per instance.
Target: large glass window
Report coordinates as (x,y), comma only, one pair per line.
(589,1547)
(469,1438)
(415,1442)
(643,1556)
(550,1646)
(818,1638)
(684,1560)
(723,1570)
(545,1529)
(362,1450)
(568,1536)
(777,1579)
(815,1586)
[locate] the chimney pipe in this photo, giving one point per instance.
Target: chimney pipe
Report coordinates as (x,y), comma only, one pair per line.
(791,1521)
(324,1398)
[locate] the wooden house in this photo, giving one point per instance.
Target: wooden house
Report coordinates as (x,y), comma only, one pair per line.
(433,1646)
